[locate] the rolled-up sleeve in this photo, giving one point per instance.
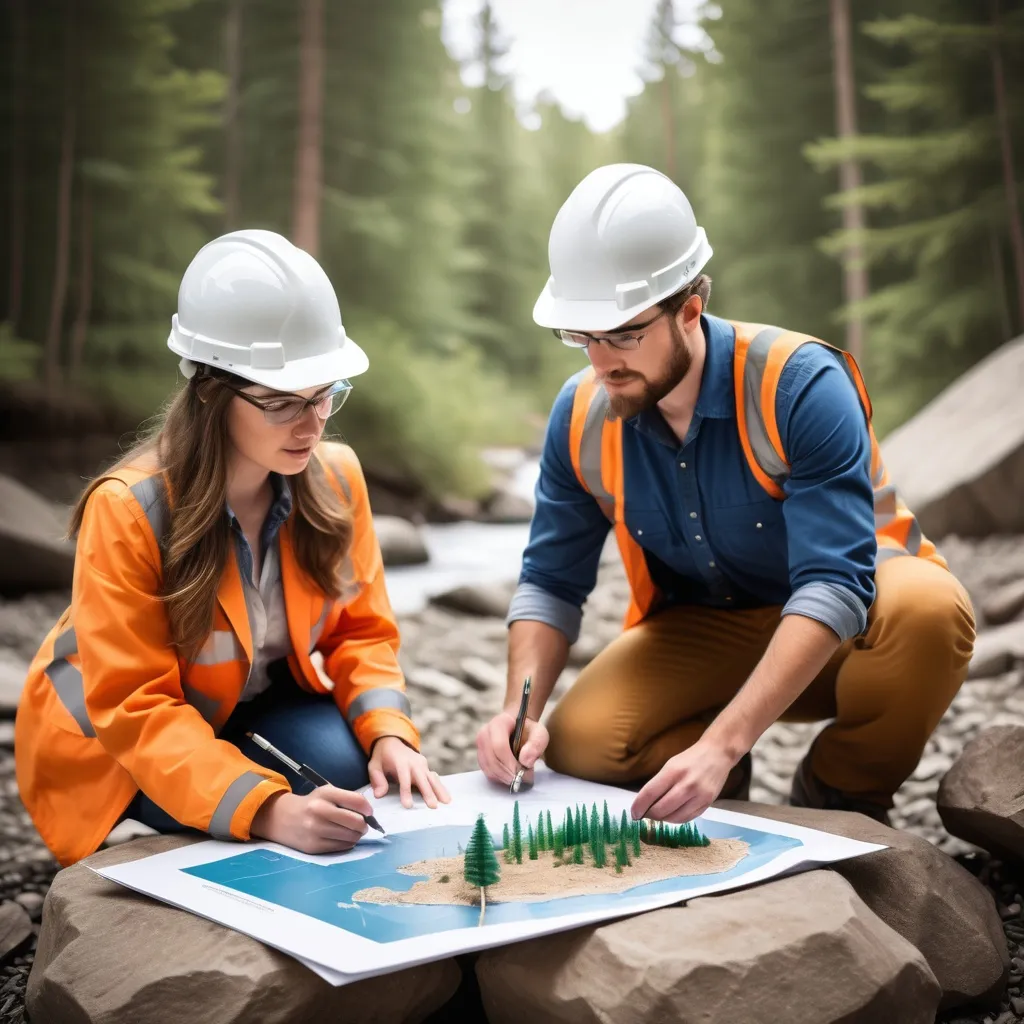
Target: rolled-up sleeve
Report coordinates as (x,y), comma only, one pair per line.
(567,533)
(829,506)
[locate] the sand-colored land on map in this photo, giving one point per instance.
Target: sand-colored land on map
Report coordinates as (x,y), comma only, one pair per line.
(543,879)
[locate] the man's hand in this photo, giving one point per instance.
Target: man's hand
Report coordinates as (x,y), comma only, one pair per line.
(391,758)
(494,747)
(686,786)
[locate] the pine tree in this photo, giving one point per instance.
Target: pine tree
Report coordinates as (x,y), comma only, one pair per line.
(542,839)
(550,831)
(480,865)
(558,845)
(517,835)
(597,847)
(625,829)
(636,838)
(505,844)
(595,824)
(621,854)
(531,841)
(570,828)
(606,823)
(583,825)
(577,853)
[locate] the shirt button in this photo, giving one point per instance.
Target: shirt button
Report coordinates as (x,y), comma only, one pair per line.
(639,533)
(759,526)
(693,515)
(682,465)
(697,537)
(712,565)
(728,599)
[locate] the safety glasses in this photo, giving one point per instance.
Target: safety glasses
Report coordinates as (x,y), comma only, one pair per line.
(623,340)
(284,407)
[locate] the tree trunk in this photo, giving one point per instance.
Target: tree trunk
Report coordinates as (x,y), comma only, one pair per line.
(483,905)
(19,46)
(81,325)
(233,114)
(668,123)
(308,155)
(65,176)
(855,274)
(1009,169)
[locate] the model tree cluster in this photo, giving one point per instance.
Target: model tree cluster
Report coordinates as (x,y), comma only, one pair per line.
(594,837)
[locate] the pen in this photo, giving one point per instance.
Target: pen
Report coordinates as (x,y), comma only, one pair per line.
(517,735)
(308,774)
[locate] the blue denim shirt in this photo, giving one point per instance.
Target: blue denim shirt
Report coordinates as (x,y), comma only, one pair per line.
(710,533)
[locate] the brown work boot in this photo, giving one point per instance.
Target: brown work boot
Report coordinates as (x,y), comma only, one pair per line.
(809,791)
(737,785)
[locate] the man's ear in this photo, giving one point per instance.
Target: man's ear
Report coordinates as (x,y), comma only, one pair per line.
(692,309)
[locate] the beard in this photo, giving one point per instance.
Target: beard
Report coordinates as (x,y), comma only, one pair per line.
(626,406)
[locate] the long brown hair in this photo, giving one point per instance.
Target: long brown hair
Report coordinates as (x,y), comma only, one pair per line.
(189,443)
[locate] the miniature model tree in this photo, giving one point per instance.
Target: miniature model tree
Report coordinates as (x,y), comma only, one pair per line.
(570,828)
(621,854)
(636,838)
(597,848)
(596,832)
(480,867)
(606,824)
(550,831)
(577,853)
(506,846)
(558,843)
(517,835)
(531,841)
(583,825)
(624,828)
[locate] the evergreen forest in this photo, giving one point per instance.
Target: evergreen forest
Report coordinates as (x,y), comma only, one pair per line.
(857,168)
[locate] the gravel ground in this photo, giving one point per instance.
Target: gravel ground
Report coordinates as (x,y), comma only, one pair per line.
(455,666)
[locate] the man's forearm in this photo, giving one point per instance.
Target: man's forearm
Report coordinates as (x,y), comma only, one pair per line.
(798,651)
(538,650)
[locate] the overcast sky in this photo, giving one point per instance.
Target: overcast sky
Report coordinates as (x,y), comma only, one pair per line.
(586,53)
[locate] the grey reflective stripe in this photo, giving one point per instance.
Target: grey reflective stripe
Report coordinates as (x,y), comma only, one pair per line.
(753,374)
(885,553)
(879,475)
(65,644)
(220,823)
(378,697)
(221,646)
(914,538)
(318,626)
(151,494)
(590,452)
(67,681)
(885,505)
(206,706)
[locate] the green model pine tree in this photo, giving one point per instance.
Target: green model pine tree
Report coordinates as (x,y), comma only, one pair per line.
(636,838)
(517,835)
(597,847)
(577,853)
(570,828)
(506,848)
(550,831)
(596,832)
(621,854)
(583,824)
(531,841)
(624,827)
(606,823)
(480,867)
(558,844)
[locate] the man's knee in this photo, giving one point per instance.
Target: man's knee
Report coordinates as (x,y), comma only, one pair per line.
(580,745)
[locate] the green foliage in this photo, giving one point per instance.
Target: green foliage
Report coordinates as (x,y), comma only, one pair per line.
(583,825)
(531,841)
(558,842)
(570,828)
(621,854)
(505,844)
(606,824)
(550,832)
(517,835)
(444,878)
(635,837)
(542,839)
(480,865)
(577,853)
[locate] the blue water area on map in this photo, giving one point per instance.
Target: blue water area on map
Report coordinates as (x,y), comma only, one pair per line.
(325,891)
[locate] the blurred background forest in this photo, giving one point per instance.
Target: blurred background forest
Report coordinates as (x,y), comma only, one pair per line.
(856,166)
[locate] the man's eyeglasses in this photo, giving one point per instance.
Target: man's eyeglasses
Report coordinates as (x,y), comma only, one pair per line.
(623,340)
(286,407)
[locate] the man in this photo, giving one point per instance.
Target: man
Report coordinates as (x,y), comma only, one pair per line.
(774,572)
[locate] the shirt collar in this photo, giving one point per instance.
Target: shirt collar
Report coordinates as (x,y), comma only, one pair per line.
(715,400)
(280,508)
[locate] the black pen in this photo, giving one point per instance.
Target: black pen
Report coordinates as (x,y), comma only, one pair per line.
(308,774)
(517,736)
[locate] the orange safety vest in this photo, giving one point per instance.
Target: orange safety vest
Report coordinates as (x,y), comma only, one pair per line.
(109,706)
(761,353)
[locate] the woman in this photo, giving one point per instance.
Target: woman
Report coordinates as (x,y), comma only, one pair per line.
(214,563)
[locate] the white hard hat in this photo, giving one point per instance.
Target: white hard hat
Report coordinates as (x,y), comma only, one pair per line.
(624,239)
(253,304)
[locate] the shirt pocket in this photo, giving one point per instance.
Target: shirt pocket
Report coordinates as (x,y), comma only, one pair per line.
(751,537)
(652,529)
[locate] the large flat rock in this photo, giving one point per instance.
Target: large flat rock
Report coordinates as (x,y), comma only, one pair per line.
(804,950)
(109,955)
(401,542)
(959,463)
(939,907)
(981,798)
(33,555)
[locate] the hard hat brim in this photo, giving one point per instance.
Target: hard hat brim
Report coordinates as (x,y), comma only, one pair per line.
(342,363)
(586,314)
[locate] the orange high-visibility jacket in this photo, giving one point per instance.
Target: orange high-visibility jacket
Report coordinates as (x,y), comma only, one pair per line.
(109,707)
(761,353)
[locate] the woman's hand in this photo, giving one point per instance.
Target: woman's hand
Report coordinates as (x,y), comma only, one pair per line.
(391,758)
(328,820)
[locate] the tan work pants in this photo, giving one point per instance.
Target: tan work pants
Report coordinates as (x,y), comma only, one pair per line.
(651,693)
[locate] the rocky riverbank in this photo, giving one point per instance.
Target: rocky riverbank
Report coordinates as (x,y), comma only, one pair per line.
(455,667)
